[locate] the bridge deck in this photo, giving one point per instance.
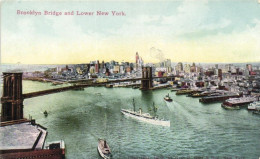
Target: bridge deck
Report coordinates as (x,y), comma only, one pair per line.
(56,90)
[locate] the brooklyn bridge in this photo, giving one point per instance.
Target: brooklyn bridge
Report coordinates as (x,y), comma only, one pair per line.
(12,98)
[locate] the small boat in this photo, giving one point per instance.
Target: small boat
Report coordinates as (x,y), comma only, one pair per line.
(45,113)
(103,149)
(135,87)
(254,106)
(109,86)
(168,98)
(230,107)
(56,145)
(256,112)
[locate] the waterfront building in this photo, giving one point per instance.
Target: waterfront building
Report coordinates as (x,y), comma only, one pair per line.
(79,70)
(122,69)
(116,69)
(92,70)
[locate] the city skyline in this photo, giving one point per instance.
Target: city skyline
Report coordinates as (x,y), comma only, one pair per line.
(183,31)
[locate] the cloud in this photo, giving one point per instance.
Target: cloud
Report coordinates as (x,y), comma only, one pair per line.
(191,17)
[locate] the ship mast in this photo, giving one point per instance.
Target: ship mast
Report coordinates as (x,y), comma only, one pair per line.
(134,104)
(154,108)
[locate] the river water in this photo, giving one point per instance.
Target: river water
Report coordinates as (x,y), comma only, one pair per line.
(197,130)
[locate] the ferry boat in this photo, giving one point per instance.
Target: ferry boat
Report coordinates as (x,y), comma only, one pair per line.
(235,103)
(103,149)
(145,117)
(56,145)
(254,106)
(168,98)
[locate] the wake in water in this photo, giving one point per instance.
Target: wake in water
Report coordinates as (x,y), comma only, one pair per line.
(172,105)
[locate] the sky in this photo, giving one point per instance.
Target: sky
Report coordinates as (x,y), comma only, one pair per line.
(217,31)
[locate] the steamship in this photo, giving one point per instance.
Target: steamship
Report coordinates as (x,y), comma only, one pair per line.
(145,117)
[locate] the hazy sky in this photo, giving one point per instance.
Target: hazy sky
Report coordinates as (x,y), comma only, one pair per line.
(187,31)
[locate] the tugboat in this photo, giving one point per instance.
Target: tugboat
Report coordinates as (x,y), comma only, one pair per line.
(103,149)
(146,117)
(168,98)
(45,113)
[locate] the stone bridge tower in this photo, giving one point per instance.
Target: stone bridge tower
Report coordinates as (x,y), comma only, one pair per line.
(147,78)
(12,98)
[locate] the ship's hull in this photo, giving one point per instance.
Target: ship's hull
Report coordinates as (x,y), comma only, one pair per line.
(254,106)
(230,107)
(144,119)
(101,154)
(168,100)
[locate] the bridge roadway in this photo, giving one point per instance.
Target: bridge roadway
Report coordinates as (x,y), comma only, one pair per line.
(57,90)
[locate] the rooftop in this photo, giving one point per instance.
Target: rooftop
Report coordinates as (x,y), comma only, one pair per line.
(22,136)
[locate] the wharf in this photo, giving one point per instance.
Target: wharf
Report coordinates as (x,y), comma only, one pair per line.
(24,136)
(160,86)
(217,98)
(126,85)
(187,91)
(25,139)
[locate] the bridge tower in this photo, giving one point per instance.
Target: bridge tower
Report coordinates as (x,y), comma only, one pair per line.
(12,99)
(147,78)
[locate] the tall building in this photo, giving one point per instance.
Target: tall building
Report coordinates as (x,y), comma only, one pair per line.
(102,67)
(216,66)
(220,74)
(97,67)
(138,61)
(179,67)
(167,63)
(136,57)
(249,67)
(187,68)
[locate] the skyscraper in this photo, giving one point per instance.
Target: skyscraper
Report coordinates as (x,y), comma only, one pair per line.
(249,67)
(136,57)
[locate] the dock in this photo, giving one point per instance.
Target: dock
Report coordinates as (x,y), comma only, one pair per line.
(160,86)
(217,98)
(25,139)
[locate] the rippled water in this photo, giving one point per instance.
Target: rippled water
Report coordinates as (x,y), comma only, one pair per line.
(197,130)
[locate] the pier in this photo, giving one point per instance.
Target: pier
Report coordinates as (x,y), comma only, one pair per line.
(217,98)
